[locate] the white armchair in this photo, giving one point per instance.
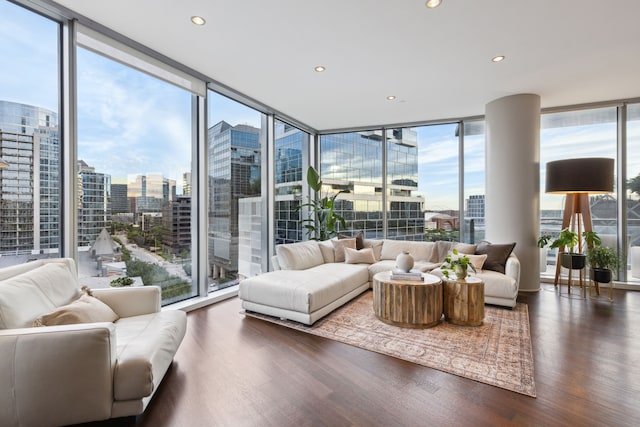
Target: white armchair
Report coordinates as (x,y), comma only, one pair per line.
(68,374)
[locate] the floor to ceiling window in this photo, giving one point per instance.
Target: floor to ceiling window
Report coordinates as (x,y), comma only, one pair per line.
(405,207)
(439,180)
(353,162)
(30,162)
(134,178)
(473,229)
(234,142)
(633,192)
(577,134)
(291,145)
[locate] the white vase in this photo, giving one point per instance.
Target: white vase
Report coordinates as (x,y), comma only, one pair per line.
(404,261)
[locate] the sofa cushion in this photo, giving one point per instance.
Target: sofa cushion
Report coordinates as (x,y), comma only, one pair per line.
(497,255)
(299,256)
(32,293)
(421,251)
(464,248)
(145,346)
(380,266)
(85,309)
(304,291)
(362,256)
(326,247)
(340,245)
(359,238)
(376,245)
(498,285)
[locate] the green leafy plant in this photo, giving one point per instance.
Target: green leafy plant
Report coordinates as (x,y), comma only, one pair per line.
(121,281)
(566,240)
(603,257)
(544,240)
(323,219)
(591,238)
(454,263)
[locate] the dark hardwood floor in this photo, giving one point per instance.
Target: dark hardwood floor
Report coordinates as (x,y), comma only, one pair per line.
(237,371)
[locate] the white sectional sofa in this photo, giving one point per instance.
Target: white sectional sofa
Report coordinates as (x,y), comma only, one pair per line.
(102,356)
(311,279)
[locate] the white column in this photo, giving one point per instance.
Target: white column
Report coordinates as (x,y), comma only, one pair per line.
(512,201)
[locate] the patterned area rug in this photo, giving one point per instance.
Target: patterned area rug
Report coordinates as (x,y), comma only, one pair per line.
(497,353)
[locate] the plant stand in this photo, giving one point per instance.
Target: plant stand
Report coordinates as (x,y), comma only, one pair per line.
(567,261)
(594,291)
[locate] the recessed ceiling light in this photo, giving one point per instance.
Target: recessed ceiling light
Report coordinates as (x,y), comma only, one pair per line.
(320,68)
(432,4)
(498,58)
(391,97)
(198,20)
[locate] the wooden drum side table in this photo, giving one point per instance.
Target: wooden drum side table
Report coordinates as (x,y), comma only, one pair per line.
(408,303)
(464,301)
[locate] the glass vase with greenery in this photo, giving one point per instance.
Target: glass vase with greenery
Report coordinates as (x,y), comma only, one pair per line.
(457,264)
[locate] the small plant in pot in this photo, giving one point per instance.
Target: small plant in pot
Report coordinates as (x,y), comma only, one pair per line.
(603,261)
(457,264)
(565,243)
(543,241)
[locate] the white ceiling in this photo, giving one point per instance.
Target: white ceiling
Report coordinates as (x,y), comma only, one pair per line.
(436,61)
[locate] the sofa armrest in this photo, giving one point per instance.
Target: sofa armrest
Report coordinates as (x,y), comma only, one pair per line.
(56,375)
(512,268)
(131,301)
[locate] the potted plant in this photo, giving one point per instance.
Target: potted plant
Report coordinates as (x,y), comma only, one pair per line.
(323,218)
(603,262)
(457,264)
(591,239)
(565,243)
(543,241)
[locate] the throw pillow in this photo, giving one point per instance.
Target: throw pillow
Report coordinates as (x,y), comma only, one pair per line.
(464,248)
(362,256)
(477,261)
(86,309)
(497,255)
(339,245)
(359,239)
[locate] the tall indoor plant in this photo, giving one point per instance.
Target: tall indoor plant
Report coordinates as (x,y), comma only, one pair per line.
(322,220)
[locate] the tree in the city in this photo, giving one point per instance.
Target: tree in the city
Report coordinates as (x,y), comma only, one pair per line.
(633,184)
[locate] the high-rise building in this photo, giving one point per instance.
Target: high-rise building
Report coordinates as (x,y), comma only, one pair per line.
(288,178)
(30,185)
(234,173)
(186,184)
(119,200)
(474,217)
(353,162)
(147,193)
(94,213)
(176,221)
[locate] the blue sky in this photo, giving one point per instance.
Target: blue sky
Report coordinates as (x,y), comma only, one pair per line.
(29,52)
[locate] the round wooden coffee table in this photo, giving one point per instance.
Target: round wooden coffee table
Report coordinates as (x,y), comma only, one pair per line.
(464,301)
(408,303)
